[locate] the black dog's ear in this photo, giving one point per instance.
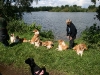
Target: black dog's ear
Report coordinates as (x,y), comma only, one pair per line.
(30,61)
(43,68)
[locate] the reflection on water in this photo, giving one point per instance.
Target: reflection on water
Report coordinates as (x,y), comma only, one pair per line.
(56,21)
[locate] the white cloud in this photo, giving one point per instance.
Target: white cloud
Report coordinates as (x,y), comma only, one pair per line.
(83,3)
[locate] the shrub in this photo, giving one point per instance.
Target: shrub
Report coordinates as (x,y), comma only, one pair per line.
(91,35)
(47,34)
(18,26)
(21,27)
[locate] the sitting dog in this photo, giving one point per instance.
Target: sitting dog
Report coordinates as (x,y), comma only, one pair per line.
(35,69)
(61,45)
(48,44)
(35,37)
(80,48)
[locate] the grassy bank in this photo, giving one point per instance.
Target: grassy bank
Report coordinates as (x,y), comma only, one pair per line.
(57,63)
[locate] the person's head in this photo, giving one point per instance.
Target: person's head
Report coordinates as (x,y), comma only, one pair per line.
(68,22)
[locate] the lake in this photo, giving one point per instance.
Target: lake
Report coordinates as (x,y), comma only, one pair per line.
(56,21)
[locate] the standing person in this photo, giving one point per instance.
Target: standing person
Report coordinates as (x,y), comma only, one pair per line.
(71,33)
(4,37)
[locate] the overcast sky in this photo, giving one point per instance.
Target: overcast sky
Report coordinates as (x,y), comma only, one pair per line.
(83,3)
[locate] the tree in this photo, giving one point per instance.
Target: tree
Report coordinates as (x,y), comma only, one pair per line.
(17,2)
(98,9)
(91,35)
(91,7)
(98,13)
(15,11)
(66,5)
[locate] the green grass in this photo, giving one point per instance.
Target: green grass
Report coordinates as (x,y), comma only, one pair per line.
(67,62)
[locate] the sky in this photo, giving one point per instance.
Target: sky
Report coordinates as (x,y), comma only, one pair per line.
(82,3)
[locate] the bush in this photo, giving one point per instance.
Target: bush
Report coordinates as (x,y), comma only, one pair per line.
(17,26)
(91,35)
(47,34)
(21,27)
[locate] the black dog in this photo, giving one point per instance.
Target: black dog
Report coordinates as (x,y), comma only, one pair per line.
(35,69)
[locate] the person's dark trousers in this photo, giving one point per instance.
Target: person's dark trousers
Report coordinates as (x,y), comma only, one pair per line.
(71,43)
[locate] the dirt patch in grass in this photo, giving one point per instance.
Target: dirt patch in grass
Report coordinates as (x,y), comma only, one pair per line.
(11,70)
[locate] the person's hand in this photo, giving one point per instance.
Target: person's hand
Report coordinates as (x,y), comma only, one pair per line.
(42,72)
(69,37)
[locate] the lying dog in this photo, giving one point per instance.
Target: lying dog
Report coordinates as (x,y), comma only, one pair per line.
(61,45)
(48,44)
(80,48)
(35,37)
(14,39)
(35,69)
(17,39)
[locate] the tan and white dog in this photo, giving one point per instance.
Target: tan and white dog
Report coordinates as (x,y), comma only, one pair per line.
(37,43)
(35,37)
(80,48)
(62,45)
(48,44)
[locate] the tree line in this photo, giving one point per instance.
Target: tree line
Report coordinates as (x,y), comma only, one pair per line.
(65,8)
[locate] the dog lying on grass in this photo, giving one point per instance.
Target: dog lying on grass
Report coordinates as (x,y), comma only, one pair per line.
(62,45)
(35,69)
(80,49)
(48,44)
(17,39)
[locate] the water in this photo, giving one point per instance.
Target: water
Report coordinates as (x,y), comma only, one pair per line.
(56,21)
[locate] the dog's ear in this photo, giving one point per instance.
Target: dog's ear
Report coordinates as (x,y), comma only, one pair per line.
(30,61)
(43,68)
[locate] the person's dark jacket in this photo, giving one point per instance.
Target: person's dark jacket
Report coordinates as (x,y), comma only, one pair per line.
(71,30)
